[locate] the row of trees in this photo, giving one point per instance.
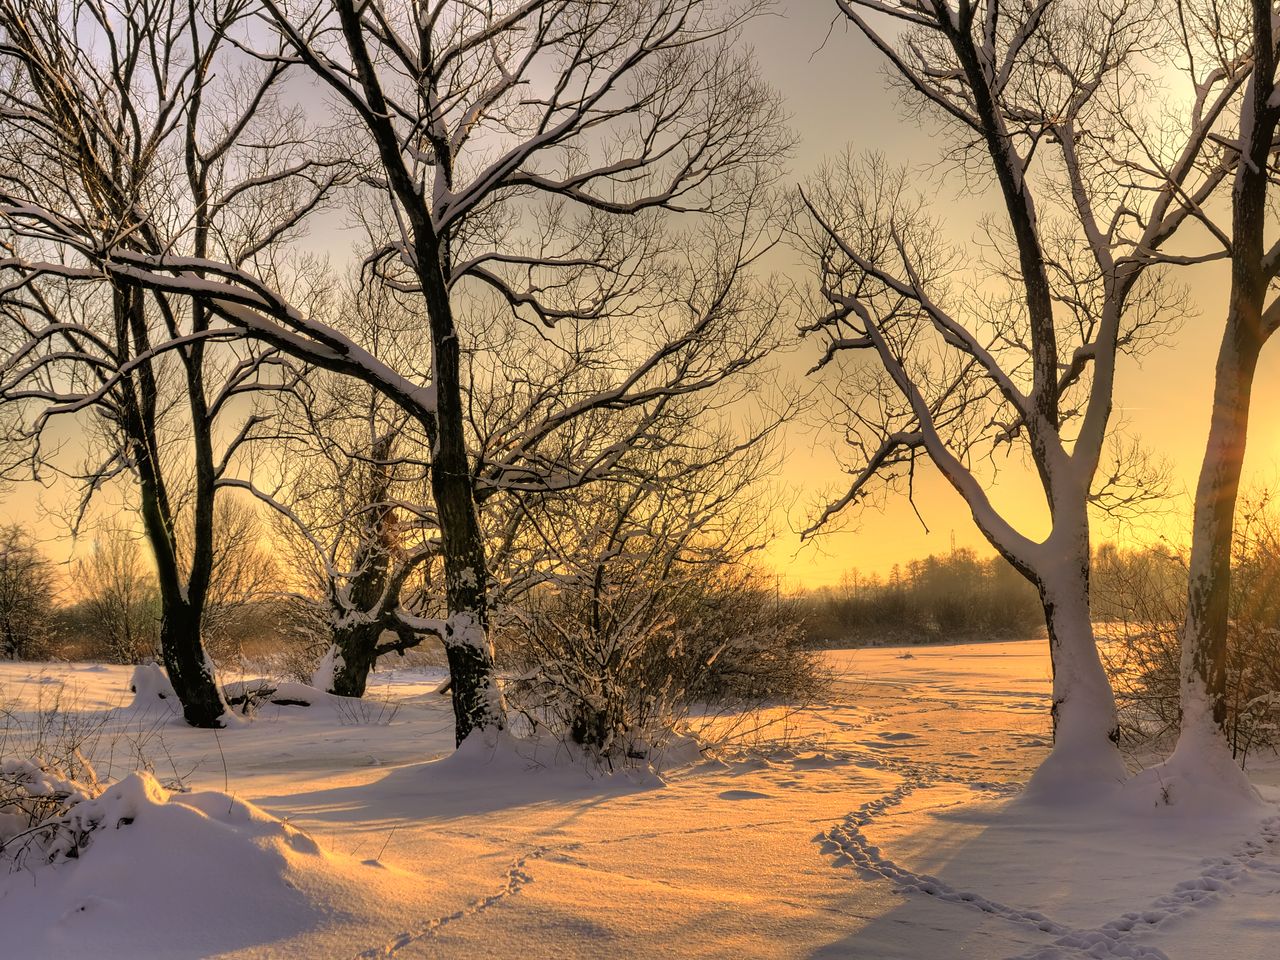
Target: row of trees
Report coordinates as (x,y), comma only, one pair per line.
(947,597)
(106,605)
(558,203)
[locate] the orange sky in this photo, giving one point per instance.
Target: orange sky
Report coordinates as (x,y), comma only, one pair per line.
(836,91)
(836,95)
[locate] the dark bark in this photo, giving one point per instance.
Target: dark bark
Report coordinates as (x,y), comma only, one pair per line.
(465,569)
(357,646)
(470,655)
(181,647)
(187,666)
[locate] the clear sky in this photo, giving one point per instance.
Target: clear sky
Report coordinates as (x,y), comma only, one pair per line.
(836,93)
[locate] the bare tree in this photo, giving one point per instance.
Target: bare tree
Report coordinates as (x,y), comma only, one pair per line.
(346,479)
(551,193)
(141,122)
(1223,38)
(348,476)
(27,590)
(119,597)
(645,110)
(1018,352)
(625,628)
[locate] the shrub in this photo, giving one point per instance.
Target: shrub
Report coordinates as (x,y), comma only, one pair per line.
(1143,594)
(26,597)
(615,667)
(44,774)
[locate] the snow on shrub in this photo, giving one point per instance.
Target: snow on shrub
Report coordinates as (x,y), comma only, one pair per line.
(43,816)
(616,669)
(1143,596)
(139,871)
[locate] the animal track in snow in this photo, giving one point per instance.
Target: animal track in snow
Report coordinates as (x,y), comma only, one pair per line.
(515,878)
(1217,877)
(849,845)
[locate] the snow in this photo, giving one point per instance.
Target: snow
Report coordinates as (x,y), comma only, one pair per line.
(884,822)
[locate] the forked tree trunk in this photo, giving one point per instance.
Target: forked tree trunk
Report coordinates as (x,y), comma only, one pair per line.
(356,655)
(181,647)
(188,667)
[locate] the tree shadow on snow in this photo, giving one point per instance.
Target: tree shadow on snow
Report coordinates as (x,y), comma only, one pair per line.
(993,880)
(473,781)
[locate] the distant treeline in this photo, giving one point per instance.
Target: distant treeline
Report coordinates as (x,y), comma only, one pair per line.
(954,596)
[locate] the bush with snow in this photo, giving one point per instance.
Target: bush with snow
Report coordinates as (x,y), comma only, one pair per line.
(615,669)
(44,815)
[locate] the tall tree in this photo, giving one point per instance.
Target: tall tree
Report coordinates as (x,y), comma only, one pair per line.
(119,118)
(536,150)
(603,111)
(1218,36)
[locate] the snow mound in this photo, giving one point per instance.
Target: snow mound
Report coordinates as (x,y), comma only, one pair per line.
(183,875)
(1199,779)
(150,687)
(322,677)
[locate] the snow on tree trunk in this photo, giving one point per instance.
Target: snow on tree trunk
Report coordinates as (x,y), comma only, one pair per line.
(355,654)
(1202,756)
(1085,758)
(477,700)
(189,668)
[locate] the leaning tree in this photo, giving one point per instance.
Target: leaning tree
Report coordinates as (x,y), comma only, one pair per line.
(1225,37)
(1014,350)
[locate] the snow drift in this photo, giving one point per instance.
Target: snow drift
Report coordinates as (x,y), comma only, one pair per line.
(188,875)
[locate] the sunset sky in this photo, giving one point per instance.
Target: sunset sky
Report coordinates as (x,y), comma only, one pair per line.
(837,93)
(835,90)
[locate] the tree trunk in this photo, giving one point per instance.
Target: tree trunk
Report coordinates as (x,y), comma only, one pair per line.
(1201,767)
(1085,755)
(356,647)
(477,701)
(1204,651)
(188,667)
(1201,773)
(190,671)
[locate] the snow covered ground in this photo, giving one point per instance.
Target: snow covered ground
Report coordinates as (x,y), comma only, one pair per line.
(879,824)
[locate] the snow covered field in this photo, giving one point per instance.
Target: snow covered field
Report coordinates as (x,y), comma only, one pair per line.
(880,824)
